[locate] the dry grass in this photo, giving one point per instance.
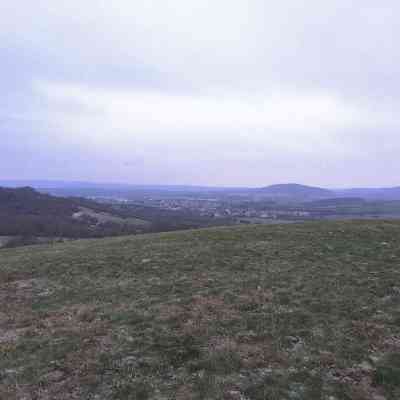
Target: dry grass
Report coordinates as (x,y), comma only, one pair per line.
(308,311)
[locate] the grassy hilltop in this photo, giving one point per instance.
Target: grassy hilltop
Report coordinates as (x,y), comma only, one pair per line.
(308,311)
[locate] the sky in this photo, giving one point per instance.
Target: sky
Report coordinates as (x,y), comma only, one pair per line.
(210,92)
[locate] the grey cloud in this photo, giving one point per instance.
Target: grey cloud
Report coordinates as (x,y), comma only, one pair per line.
(216,50)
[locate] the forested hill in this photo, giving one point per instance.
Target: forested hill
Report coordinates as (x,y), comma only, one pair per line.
(27,201)
(24,211)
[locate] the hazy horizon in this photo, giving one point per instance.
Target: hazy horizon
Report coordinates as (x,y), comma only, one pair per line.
(58,183)
(211,93)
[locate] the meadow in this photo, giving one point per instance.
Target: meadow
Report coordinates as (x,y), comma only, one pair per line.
(299,312)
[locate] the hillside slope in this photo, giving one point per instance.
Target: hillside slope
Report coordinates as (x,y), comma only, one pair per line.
(27,212)
(308,311)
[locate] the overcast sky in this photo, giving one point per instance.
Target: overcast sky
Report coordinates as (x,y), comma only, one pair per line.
(206,92)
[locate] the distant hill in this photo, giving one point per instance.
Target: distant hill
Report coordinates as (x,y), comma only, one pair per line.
(296,192)
(26,200)
(27,212)
(286,191)
(392,193)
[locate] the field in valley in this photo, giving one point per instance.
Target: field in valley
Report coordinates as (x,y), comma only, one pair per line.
(299,312)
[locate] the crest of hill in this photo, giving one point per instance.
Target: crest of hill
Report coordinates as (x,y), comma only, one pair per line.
(296,191)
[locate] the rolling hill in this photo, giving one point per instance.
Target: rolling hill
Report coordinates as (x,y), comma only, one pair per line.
(294,191)
(386,194)
(27,212)
(307,311)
